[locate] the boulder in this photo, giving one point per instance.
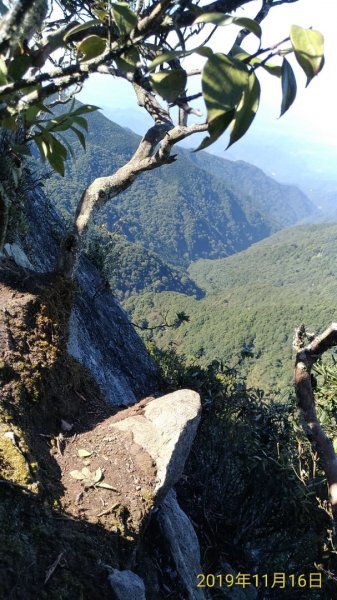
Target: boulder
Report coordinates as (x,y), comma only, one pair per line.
(165,428)
(136,456)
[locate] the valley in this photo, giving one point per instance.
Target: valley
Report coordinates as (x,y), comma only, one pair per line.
(253,302)
(216,240)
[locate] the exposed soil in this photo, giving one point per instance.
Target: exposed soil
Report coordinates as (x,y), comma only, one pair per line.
(111,457)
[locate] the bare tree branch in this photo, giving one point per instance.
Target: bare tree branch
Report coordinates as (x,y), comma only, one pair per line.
(320,443)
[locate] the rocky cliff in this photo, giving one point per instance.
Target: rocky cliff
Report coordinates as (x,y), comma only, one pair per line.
(86,484)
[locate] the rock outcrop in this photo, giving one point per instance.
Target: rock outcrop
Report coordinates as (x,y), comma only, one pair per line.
(129,462)
(165,429)
(117,359)
(90,478)
(178,532)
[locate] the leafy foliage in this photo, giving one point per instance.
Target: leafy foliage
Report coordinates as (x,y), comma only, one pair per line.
(251,481)
(130,268)
(121,38)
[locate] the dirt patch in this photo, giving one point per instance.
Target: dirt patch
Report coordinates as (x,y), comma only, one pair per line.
(107,479)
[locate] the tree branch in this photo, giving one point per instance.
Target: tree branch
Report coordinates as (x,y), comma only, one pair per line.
(320,443)
(147,157)
(20,23)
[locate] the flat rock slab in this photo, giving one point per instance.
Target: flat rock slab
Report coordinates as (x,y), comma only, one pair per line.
(165,428)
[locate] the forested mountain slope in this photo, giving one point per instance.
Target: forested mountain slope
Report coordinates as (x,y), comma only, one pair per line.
(283,204)
(199,207)
(253,302)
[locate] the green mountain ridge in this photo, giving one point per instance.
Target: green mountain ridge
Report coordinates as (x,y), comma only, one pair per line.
(254,300)
(201,206)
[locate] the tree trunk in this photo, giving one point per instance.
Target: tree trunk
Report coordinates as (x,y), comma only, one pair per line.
(320,443)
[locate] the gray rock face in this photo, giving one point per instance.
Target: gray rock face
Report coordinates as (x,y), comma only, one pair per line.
(101,336)
(117,359)
(166,430)
(178,532)
(126,585)
(15,251)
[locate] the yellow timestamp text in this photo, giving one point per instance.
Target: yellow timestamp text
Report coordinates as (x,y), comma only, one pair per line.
(268,580)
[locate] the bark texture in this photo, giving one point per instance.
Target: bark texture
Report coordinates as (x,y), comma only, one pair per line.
(305,359)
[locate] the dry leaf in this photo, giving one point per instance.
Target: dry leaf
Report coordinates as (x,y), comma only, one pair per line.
(106,486)
(98,475)
(77,475)
(83,453)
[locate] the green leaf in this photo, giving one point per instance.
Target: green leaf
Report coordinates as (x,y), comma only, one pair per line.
(55,145)
(31,114)
(57,124)
(42,146)
(91,47)
(169,84)
(223,81)
(289,87)
(243,56)
(68,146)
(168,56)
(81,121)
(125,18)
(221,19)
(52,150)
(79,135)
(81,27)
(128,60)
(19,66)
(246,110)
(216,128)
(57,162)
(85,108)
(3,72)
(308,46)
(21,149)
(204,51)
(275,70)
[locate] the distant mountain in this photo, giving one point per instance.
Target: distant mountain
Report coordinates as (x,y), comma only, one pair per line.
(254,300)
(199,207)
(262,192)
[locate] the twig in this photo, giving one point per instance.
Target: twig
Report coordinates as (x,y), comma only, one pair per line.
(53,567)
